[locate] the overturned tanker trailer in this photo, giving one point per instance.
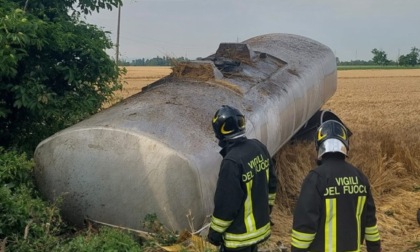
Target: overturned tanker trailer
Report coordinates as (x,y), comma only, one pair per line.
(155,152)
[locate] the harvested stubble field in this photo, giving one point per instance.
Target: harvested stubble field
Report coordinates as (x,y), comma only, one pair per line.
(382,109)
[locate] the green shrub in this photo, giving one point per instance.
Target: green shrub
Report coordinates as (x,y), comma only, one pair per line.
(15,170)
(160,235)
(20,211)
(31,224)
(106,239)
(25,217)
(43,243)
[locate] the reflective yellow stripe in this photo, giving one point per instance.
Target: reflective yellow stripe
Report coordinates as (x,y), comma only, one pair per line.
(372,233)
(330,225)
(246,236)
(302,240)
(271,198)
(371,229)
(249,212)
(267,174)
(300,244)
(360,205)
(219,225)
(241,240)
(303,236)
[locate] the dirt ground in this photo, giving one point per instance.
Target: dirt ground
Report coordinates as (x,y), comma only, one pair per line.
(381,108)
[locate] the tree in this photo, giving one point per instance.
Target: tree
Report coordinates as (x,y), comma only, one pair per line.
(54,70)
(379,57)
(410,59)
(413,56)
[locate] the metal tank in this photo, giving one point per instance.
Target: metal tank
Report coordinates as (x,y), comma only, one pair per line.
(155,152)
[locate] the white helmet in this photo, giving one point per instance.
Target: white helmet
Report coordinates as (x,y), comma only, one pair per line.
(331,136)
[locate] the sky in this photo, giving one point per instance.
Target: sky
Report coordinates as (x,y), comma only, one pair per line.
(195,28)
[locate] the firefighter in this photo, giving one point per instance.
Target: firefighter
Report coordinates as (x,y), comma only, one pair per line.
(335,210)
(246,187)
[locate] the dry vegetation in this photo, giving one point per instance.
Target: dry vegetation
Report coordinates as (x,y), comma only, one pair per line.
(382,109)
(139,77)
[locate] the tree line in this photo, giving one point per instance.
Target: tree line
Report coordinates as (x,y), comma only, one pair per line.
(157,61)
(380,58)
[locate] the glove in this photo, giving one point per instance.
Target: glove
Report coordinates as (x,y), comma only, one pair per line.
(373,246)
(215,237)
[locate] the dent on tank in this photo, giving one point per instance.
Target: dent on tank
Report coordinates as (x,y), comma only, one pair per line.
(155,152)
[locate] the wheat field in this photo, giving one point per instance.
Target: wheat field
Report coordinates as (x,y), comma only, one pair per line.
(382,109)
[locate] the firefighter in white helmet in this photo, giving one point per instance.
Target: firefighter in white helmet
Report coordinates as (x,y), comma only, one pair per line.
(335,211)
